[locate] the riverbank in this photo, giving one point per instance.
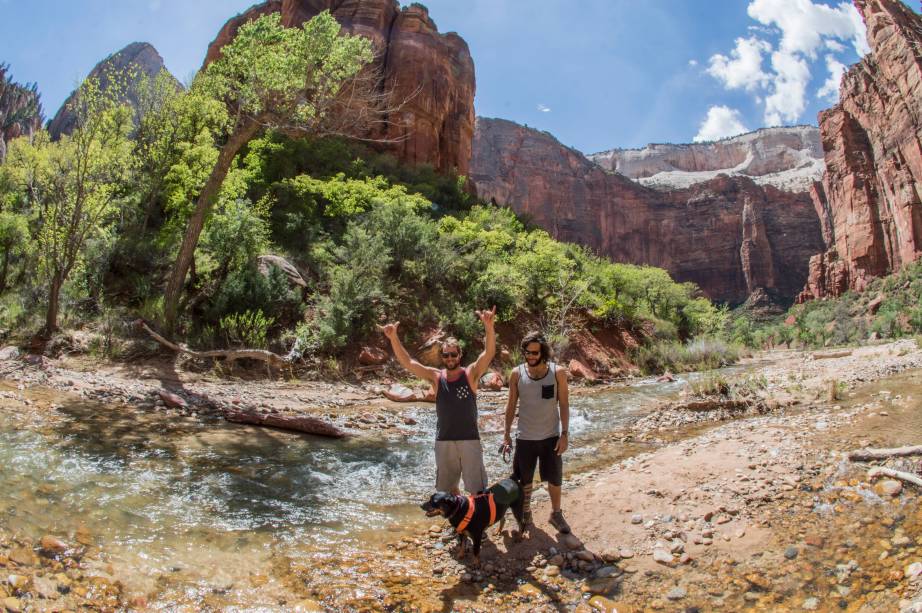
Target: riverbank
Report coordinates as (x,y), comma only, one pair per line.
(759,510)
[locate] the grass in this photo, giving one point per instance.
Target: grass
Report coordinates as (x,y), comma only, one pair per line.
(672,356)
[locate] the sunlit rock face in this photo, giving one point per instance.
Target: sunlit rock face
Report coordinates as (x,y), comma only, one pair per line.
(788,158)
(131,64)
(729,235)
(869,198)
(429,74)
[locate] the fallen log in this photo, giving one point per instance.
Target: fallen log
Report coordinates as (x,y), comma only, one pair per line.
(832,354)
(295,423)
(700,406)
(228,355)
(864,455)
(878,471)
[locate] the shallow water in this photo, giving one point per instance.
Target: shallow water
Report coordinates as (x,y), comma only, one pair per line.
(208,503)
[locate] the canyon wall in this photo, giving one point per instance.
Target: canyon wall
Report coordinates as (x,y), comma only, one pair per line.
(869,198)
(430,74)
(789,158)
(729,235)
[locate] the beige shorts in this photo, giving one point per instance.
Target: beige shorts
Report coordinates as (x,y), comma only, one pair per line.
(457,459)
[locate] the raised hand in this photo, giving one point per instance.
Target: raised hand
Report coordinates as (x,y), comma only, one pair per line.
(487,317)
(389,330)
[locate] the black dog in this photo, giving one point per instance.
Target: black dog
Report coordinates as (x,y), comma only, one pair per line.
(471,515)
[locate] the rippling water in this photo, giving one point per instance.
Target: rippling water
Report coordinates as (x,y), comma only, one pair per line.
(168,494)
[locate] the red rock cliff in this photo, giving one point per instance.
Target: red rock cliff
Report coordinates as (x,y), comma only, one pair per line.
(728,235)
(434,72)
(869,199)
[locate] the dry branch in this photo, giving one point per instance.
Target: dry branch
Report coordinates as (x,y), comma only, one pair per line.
(865,455)
(878,471)
(229,355)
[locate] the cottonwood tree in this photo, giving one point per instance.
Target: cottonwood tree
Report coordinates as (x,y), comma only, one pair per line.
(296,80)
(74,186)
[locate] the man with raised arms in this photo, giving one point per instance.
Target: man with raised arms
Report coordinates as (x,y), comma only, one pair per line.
(458,452)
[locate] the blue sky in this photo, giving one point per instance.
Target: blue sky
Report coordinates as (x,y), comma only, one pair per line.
(595,73)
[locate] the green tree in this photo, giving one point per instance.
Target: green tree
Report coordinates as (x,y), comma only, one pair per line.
(74,186)
(269,76)
(14,242)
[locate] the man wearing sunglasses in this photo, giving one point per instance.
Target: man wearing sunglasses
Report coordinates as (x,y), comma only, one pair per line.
(539,389)
(458,452)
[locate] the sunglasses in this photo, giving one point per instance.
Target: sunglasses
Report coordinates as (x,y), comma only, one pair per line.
(531,352)
(449,354)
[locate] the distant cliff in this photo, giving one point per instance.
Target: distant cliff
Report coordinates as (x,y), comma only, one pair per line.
(432,72)
(787,158)
(870,198)
(729,235)
(135,60)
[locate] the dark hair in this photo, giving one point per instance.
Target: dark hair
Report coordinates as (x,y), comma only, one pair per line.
(537,337)
(451,341)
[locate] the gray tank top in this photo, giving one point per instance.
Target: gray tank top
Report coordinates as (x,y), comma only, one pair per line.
(538,416)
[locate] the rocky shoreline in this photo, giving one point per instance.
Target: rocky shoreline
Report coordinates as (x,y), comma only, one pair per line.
(712,510)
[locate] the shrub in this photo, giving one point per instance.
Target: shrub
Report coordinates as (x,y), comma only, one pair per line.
(248,329)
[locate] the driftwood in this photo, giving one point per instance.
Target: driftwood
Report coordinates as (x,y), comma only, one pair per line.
(228,355)
(699,406)
(832,354)
(295,423)
(878,471)
(864,455)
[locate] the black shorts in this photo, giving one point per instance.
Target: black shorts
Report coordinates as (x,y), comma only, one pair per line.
(529,454)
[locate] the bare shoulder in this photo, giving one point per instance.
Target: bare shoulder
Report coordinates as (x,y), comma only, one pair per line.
(562,373)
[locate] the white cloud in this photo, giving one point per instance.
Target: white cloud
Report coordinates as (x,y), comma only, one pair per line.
(789,88)
(743,69)
(804,24)
(830,88)
(721,122)
(692,63)
(803,29)
(543,108)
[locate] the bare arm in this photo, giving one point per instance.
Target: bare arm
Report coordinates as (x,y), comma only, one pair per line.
(511,403)
(403,356)
(479,367)
(563,401)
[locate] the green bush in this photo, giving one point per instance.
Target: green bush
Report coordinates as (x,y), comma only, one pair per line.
(248,329)
(699,354)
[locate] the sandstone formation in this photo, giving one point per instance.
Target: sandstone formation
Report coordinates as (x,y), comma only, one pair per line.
(20,109)
(728,235)
(132,62)
(869,199)
(430,74)
(789,158)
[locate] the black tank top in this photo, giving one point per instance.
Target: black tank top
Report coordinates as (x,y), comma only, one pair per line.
(455,410)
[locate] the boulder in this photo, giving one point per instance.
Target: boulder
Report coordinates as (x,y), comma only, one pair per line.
(492,381)
(265,263)
(373,356)
(9,353)
(578,370)
(174,401)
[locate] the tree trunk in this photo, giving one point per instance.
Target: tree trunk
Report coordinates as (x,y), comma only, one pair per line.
(4,270)
(241,136)
(54,303)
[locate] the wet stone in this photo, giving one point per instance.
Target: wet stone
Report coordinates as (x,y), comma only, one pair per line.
(790,553)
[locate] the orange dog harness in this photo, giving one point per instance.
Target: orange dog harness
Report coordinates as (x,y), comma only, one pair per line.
(470,512)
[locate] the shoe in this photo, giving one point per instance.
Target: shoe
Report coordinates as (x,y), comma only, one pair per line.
(559,522)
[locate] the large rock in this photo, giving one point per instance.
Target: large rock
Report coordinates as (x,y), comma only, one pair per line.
(432,72)
(728,235)
(789,158)
(131,63)
(869,200)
